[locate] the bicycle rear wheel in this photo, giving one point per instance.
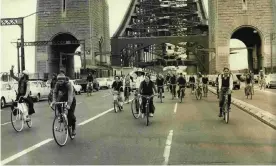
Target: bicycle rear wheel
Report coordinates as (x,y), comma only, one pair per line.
(161,97)
(17,119)
(115,107)
(60,129)
(181,96)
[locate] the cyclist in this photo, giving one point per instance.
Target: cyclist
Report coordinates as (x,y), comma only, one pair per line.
(146,88)
(168,77)
(248,81)
(261,77)
(205,81)
(173,85)
(23,91)
(89,81)
(181,81)
(64,92)
(127,85)
(198,80)
(160,84)
(192,82)
(117,86)
(225,85)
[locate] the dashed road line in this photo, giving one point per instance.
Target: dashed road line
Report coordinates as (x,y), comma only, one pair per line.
(167,150)
(175,107)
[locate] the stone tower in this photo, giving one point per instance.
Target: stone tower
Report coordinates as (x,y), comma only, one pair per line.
(251,21)
(71,20)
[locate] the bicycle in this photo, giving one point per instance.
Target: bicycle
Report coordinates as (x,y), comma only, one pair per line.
(136,106)
(160,94)
(19,114)
(205,90)
(248,91)
(147,106)
(262,84)
(198,92)
(116,101)
(62,125)
(173,90)
(127,89)
(192,85)
(225,107)
(89,89)
(182,93)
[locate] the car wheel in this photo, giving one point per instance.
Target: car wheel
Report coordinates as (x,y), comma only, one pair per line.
(3,102)
(38,97)
(79,92)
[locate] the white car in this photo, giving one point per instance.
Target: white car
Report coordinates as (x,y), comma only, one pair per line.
(102,82)
(165,4)
(270,80)
(8,94)
(110,82)
(77,88)
(38,90)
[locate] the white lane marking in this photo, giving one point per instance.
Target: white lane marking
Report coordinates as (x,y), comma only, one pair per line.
(175,107)
(95,117)
(9,159)
(167,150)
(79,103)
(6,123)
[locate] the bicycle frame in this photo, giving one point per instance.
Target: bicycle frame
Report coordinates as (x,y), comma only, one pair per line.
(147,106)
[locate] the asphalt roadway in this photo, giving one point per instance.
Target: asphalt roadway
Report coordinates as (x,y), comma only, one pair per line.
(184,133)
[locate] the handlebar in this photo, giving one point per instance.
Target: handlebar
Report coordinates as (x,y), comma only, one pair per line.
(21,97)
(147,96)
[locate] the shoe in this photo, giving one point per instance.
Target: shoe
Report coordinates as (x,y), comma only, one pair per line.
(163,96)
(151,114)
(73,132)
(220,115)
(142,115)
(28,118)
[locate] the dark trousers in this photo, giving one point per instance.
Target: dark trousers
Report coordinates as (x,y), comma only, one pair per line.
(173,90)
(71,114)
(29,102)
(160,89)
(127,89)
(178,91)
(222,98)
(151,106)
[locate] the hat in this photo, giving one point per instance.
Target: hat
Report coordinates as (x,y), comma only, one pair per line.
(61,77)
(25,72)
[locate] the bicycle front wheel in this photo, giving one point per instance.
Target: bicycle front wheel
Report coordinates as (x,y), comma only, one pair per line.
(135,108)
(226,113)
(60,130)
(147,114)
(29,123)
(17,119)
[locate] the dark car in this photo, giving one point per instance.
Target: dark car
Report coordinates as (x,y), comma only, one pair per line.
(236,82)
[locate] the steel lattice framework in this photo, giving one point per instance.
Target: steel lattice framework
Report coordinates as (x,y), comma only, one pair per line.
(44,43)
(149,24)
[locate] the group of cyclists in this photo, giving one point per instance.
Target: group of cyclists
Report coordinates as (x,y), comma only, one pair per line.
(62,89)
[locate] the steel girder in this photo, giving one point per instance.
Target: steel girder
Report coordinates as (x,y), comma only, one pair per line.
(165,63)
(45,43)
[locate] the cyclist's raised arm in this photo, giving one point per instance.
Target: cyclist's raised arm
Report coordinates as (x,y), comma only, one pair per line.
(154,88)
(140,88)
(13,76)
(70,94)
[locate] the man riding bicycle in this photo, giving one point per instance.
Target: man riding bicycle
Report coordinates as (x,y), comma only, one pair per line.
(192,82)
(225,85)
(173,85)
(261,77)
(205,82)
(127,85)
(160,84)
(64,92)
(248,82)
(117,87)
(89,81)
(146,88)
(23,91)
(181,81)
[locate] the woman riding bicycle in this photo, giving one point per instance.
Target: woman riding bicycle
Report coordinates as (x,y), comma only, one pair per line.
(160,84)
(181,81)
(248,82)
(127,86)
(23,90)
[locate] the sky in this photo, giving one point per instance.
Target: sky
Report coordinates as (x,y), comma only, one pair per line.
(19,8)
